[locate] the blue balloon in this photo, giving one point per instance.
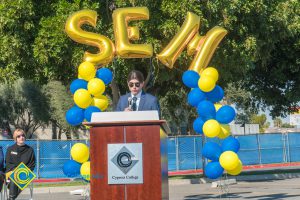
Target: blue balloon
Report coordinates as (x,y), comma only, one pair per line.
(197,125)
(211,151)
(225,115)
(213,170)
(195,96)
(71,168)
(190,78)
(230,144)
(78,84)
(75,116)
(105,75)
(206,110)
(215,95)
(88,112)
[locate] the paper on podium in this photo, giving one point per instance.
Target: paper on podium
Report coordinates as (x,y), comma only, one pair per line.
(124,116)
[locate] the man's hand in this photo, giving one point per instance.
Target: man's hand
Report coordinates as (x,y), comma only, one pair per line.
(127,109)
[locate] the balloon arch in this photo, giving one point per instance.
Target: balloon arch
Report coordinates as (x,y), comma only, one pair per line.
(88,89)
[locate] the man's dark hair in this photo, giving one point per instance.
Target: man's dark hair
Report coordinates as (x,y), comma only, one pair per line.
(135,74)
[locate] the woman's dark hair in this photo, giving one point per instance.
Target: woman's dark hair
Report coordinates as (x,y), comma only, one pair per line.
(135,74)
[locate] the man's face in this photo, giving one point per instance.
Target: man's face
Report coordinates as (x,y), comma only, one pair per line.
(135,86)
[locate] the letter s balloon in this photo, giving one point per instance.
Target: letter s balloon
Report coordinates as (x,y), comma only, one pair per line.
(104,44)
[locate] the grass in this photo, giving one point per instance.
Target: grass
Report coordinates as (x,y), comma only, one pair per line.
(245,173)
(60,184)
(192,176)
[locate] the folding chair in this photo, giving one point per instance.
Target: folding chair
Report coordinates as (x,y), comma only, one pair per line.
(5,190)
(31,190)
(3,194)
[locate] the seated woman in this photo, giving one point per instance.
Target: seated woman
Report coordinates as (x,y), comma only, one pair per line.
(17,153)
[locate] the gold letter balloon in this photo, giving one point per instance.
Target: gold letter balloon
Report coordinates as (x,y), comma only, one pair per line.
(202,46)
(124,33)
(171,52)
(104,44)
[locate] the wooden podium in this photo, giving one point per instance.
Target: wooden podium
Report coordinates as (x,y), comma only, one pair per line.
(109,131)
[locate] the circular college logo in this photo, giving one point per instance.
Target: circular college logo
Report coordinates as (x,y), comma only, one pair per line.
(124,160)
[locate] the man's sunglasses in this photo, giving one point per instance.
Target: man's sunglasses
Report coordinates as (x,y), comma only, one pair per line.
(21,136)
(132,84)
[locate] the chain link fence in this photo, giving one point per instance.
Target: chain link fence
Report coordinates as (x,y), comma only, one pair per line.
(184,153)
(51,155)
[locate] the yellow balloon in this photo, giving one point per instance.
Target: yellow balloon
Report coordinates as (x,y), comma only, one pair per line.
(104,44)
(163,134)
(225,131)
(80,152)
(217,106)
(211,72)
(123,33)
(211,128)
(170,53)
(101,102)
(237,170)
(82,98)
(85,170)
(229,160)
(87,71)
(206,83)
(96,86)
(206,47)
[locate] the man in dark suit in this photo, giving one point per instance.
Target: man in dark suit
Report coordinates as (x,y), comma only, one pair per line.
(136,99)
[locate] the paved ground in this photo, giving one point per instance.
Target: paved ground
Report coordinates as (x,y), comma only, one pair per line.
(264,190)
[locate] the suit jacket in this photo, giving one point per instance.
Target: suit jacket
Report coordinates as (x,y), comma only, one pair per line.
(147,102)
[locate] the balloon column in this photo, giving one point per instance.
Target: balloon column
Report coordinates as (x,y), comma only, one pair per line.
(88,92)
(79,165)
(213,122)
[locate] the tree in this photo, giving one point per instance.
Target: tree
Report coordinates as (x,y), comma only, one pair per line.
(60,100)
(259,55)
(23,105)
(241,98)
(277,122)
(261,120)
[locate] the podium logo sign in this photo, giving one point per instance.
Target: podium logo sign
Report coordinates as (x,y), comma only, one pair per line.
(125,163)
(124,160)
(22,176)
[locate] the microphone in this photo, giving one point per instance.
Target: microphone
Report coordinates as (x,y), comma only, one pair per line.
(130,102)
